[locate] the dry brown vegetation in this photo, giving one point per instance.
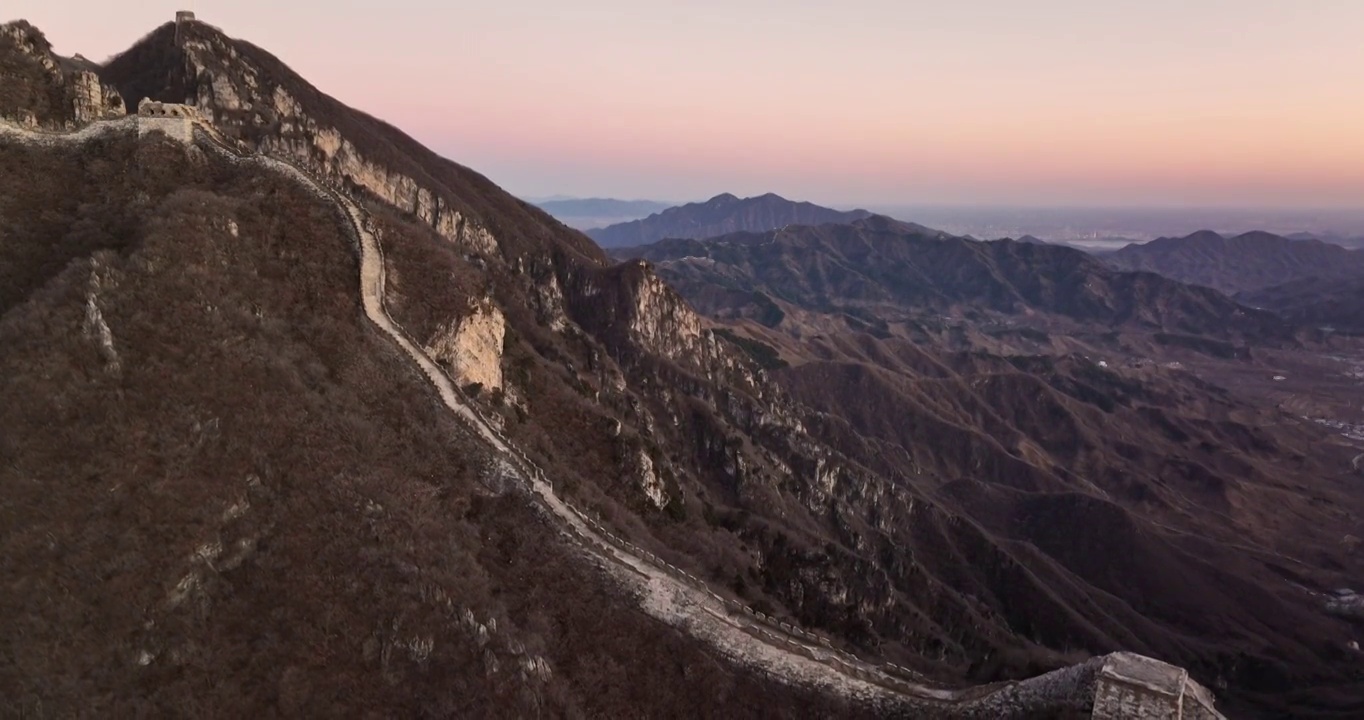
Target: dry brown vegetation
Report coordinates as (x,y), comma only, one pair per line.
(1072,504)
(24,82)
(261,507)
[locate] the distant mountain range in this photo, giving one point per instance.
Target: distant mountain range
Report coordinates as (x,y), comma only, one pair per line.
(1244,263)
(588,213)
(883,264)
(1346,241)
(720,215)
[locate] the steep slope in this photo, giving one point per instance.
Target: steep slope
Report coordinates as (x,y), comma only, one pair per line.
(893,269)
(1021,430)
(721,215)
(232,495)
(405,562)
(1243,263)
(254,99)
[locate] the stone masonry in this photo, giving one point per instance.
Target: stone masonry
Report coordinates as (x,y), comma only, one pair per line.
(1135,687)
(176,121)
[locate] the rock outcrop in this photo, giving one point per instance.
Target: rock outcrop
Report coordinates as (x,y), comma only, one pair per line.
(471,346)
(41,89)
(233,86)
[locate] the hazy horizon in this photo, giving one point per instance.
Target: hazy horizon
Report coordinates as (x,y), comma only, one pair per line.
(1092,226)
(1059,103)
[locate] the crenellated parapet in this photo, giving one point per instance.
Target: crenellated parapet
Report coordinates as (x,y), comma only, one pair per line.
(152,108)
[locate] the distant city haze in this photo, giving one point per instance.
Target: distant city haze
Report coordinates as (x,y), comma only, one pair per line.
(1241,103)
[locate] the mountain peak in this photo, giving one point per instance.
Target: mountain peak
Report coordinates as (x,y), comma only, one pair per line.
(1204,236)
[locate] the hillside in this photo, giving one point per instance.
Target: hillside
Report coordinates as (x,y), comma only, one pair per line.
(1243,263)
(721,215)
(1313,301)
(303,419)
(1041,369)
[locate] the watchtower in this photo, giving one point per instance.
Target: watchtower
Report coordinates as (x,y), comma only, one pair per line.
(182,17)
(1135,686)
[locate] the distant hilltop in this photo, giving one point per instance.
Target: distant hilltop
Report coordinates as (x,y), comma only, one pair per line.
(1243,263)
(721,215)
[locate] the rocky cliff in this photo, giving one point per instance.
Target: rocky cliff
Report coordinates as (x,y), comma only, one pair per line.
(235,86)
(43,90)
(472,346)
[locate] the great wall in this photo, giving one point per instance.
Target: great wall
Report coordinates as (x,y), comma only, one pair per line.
(1119,685)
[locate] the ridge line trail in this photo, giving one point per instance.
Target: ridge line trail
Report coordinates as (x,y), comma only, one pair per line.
(696,611)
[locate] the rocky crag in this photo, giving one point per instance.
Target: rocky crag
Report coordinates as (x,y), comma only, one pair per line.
(40,89)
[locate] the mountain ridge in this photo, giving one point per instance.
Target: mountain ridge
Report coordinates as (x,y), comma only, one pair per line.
(881,260)
(1241,263)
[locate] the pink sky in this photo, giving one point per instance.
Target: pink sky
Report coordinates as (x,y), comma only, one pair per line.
(1202,102)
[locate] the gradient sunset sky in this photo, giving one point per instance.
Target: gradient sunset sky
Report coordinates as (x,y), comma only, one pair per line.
(1048,102)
